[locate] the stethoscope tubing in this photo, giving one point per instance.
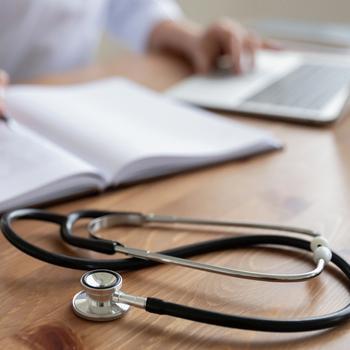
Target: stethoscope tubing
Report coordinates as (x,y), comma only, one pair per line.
(128,264)
(158,306)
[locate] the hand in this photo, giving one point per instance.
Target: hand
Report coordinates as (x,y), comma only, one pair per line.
(231,40)
(3,82)
(204,48)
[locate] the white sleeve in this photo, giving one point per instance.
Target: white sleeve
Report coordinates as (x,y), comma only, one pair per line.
(133,20)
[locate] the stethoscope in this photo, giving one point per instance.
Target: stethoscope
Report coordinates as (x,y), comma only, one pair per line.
(103,300)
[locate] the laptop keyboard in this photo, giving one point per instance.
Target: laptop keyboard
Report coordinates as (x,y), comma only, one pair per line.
(310,86)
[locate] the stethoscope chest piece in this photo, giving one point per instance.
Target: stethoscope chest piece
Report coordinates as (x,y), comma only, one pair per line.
(96,302)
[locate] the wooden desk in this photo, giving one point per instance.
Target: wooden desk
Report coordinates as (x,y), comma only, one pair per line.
(307,184)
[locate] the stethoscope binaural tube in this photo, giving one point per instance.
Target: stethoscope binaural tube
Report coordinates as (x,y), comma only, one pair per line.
(319,245)
(107,246)
(101,219)
(158,306)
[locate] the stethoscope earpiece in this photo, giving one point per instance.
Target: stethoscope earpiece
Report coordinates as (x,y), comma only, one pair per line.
(97,301)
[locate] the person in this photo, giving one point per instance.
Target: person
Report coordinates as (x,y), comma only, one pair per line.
(44,37)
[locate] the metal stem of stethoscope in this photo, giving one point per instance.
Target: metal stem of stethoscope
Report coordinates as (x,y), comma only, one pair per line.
(168,219)
(137,219)
(167,259)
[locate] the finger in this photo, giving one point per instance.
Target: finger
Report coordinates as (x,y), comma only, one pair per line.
(228,41)
(251,45)
(241,46)
(233,46)
(3,81)
(206,52)
(4,78)
(201,62)
(271,45)
(2,107)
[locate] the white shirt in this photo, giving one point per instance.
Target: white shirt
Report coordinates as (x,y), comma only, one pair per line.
(49,36)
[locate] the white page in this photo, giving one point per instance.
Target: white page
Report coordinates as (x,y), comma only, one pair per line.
(114,124)
(33,170)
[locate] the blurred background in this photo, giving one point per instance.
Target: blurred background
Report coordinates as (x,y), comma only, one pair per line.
(206,11)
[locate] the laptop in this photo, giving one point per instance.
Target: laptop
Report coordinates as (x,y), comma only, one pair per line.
(303,87)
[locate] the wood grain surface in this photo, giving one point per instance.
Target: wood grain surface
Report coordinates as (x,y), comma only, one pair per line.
(306,184)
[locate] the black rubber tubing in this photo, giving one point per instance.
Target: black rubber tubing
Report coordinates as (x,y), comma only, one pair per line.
(161,307)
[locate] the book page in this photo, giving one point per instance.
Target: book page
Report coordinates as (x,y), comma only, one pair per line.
(33,170)
(130,132)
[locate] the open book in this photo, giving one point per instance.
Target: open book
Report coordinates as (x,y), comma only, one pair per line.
(61,141)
